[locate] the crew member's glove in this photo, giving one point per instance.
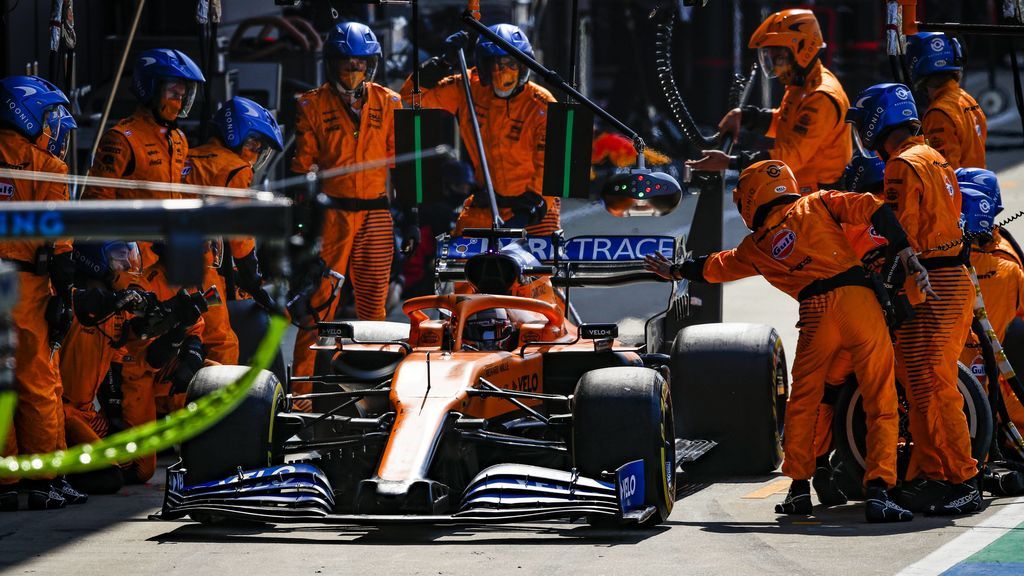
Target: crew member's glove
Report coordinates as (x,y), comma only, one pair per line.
(58,318)
(452,45)
(94,305)
(913,267)
(690,269)
(410,231)
(111,397)
(249,278)
(529,208)
(190,359)
(433,70)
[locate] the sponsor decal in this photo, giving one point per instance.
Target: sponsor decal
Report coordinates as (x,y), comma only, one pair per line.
(630,482)
(579,249)
(780,189)
(937,44)
(6,189)
(27,224)
(783,244)
(526,383)
(902,93)
(984,206)
(773,171)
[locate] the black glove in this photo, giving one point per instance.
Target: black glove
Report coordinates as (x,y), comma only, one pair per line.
(190,359)
(58,320)
(61,269)
(111,396)
(433,70)
(94,305)
(410,231)
(529,209)
(247,273)
(452,45)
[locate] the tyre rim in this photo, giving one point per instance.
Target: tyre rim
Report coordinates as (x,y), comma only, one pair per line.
(856,428)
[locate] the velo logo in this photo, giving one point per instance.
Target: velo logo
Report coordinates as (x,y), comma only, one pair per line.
(627,488)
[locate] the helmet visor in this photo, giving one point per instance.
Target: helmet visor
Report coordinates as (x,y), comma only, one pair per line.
(257,151)
(176,97)
(350,73)
(57,127)
(214,252)
(123,257)
(775,61)
(864,151)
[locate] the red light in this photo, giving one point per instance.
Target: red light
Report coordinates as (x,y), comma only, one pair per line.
(657,186)
(648,189)
(640,178)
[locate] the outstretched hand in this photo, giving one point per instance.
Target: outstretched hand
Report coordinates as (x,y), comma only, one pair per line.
(659,264)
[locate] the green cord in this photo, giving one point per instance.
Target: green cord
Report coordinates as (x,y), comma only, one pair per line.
(148,438)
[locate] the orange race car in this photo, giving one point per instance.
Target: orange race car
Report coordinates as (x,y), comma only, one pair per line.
(491,407)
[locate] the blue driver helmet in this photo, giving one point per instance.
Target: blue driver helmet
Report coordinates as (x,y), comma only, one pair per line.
(351,55)
(977,211)
(931,52)
(984,181)
(864,174)
(487,52)
(158,70)
(248,128)
(879,109)
(38,110)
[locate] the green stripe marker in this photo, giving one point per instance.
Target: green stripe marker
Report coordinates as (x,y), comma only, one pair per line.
(418,143)
(148,438)
(568,152)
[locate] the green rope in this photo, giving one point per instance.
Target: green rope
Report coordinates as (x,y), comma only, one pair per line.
(148,438)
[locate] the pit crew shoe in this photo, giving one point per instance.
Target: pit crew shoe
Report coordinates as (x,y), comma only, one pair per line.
(917,495)
(999,481)
(8,498)
(43,495)
(879,507)
(826,487)
(962,499)
(798,499)
(69,493)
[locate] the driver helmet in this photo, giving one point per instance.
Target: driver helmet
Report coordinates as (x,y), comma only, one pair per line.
(489,330)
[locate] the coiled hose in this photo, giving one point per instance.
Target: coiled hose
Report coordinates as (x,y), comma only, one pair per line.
(664,20)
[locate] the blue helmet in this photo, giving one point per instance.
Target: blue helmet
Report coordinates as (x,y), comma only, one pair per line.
(879,109)
(157,65)
(101,260)
(977,211)
(984,181)
(487,51)
(931,52)
(240,119)
(32,106)
(351,40)
(864,174)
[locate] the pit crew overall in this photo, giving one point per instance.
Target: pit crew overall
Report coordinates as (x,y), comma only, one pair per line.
(922,190)
(84,364)
(214,164)
(38,419)
(1002,287)
(955,125)
(801,249)
(358,232)
(513,130)
(810,133)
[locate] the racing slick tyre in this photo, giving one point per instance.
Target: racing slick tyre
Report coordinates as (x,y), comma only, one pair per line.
(729,385)
(242,439)
(624,414)
(849,430)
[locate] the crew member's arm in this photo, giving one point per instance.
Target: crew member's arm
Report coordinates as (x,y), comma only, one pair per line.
(114,159)
(447,95)
(713,268)
(940,133)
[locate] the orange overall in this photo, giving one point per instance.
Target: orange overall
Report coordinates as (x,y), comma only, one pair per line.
(38,419)
(83,366)
(955,125)
(513,131)
(1002,287)
(799,246)
(358,233)
(214,164)
(811,135)
(922,190)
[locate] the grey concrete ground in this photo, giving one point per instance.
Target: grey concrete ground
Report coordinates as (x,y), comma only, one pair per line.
(726,528)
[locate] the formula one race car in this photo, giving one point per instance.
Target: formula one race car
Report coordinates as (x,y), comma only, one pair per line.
(491,407)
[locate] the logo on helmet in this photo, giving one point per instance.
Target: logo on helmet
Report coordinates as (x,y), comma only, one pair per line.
(28,90)
(148,61)
(902,93)
(249,110)
(937,45)
(940,62)
(783,244)
(780,189)
(773,171)
(6,190)
(984,206)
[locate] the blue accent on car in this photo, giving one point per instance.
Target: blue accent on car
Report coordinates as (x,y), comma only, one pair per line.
(630,484)
(577,249)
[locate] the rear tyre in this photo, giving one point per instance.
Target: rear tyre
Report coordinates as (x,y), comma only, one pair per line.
(624,414)
(849,430)
(730,383)
(242,439)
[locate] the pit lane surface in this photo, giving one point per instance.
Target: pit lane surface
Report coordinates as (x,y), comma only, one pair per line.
(725,528)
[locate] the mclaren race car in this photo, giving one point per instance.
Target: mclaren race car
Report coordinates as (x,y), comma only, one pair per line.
(492,407)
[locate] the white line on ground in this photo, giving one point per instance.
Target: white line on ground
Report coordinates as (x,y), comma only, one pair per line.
(971,541)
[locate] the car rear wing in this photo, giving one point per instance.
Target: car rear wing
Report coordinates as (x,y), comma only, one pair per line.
(579,261)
